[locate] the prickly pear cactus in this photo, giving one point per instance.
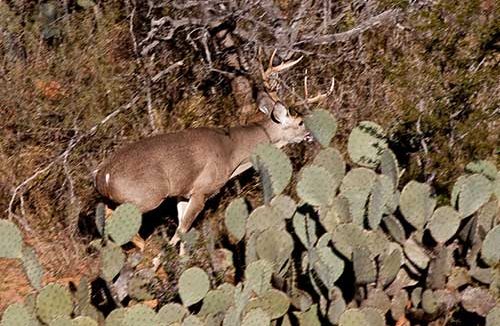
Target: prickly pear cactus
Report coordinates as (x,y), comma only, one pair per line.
(444,223)
(489,251)
(11,241)
(256,317)
(193,286)
(474,193)
(17,315)
(32,267)
(315,186)
(366,144)
(276,163)
(52,302)
(322,126)
(235,219)
(172,313)
(356,187)
(331,159)
(112,261)
(140,315)
(123,224)
(258,276)
(416,203)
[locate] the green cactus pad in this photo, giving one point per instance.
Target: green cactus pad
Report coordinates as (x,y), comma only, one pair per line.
(216,301)
(263,218)
(256,317)
(112,261)
(457,187)
(429,302)
(32,267)
(193,285)
(274,302)
(356,187)
(284,206)
(309,317)
(474,193)
(17,315)
(378,299)
(398,304)
(416,254)
(496,186)
(305,229)
(315,186)
(376,204)
(140,315)
(84,321)
(11,240)
(327,266)
(172,313)
(331,159)
(192,320)
(365,270)
(493,317)
(275,246)
(366,144)
(353,317)
(53,301)
(489,251)
(374,317)
(389,166)
(337,213)
(258,276)
(322,126)
(444,223)
(416,203)
(61,321)
(486,168)
(124,223)
(235,219)
(276,163)
(337,306)
(395,228)
(115,318)
(389,266)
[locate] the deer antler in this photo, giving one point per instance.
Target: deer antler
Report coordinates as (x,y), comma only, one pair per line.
(310,100)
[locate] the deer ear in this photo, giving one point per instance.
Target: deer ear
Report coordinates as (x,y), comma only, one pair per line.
(264,103)
(280,113)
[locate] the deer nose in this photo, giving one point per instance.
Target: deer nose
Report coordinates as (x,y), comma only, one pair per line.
(308,137)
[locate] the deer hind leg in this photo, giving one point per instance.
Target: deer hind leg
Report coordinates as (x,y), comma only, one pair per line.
(187,214)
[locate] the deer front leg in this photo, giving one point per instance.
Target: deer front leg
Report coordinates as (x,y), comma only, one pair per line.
(187,215)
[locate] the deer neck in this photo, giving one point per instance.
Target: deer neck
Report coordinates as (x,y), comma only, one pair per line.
(246,138)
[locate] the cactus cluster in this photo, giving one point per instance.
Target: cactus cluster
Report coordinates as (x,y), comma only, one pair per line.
(357,248)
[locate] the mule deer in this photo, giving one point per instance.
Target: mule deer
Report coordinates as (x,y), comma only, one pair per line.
(194,163)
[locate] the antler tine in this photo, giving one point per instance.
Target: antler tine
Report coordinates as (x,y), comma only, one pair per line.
(285,65)
(317,98)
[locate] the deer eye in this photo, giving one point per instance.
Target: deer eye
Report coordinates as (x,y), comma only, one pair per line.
(301,123)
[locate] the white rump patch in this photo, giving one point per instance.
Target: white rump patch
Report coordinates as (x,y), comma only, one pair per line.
(107,178)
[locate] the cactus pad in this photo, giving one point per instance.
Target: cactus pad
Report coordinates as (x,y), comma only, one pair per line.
(366,144)
(235,219)
(444,223)
(284,206)
(315,186)
(327,266)
(172,313)
(364,267)
(274,302)
(83,321)
(493,317)
(491,243)
(322,126)
(486,168)
(474,193)
(416,203)
(11,241)
(112,260)
(17,315)
(32,267)
(140,315)
(305,229)
(256,317)
(193,285)
(356,187)
(389,166)
(331,159)
(124,223)
(216,301)
(258,276)
(275,246)
(276,163)
(353,317)
(53,301)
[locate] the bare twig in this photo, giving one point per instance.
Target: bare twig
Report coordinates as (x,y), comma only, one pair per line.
(347,35)
(162,73)
(19,188)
